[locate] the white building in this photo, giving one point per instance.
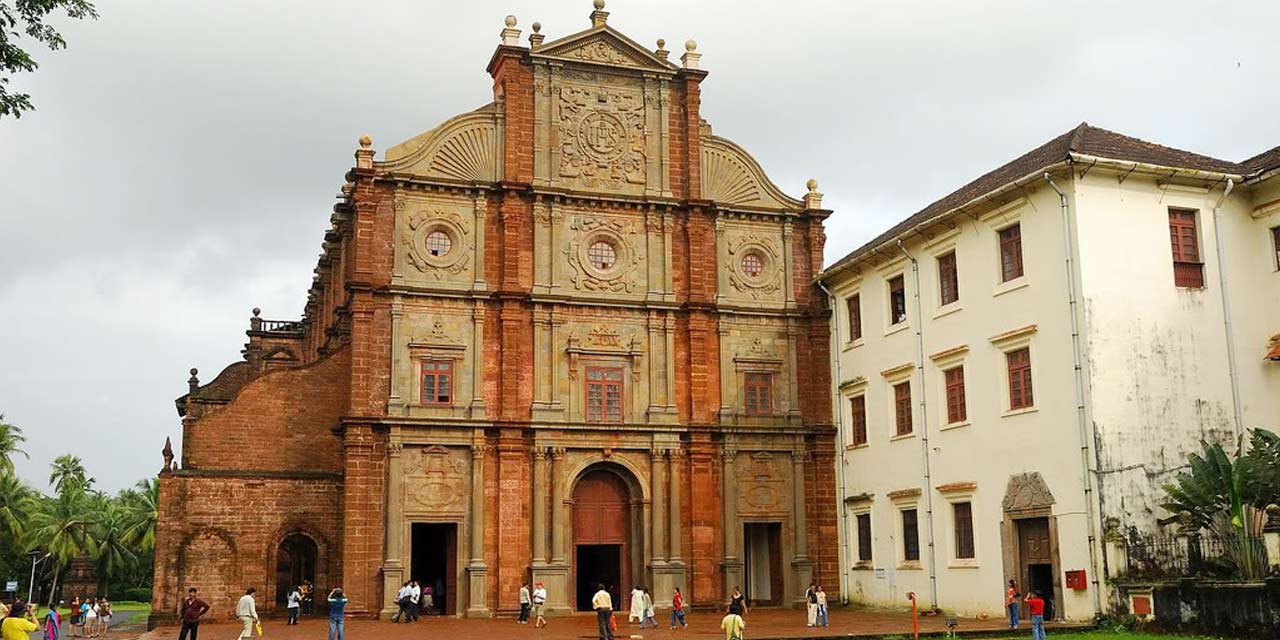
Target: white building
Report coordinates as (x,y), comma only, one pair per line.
(975,448)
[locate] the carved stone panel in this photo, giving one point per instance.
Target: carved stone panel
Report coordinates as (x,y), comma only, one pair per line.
(436,479)
(600,131)
(754,261)
(1027,492)
(617,266)
(436,242)
(763,482)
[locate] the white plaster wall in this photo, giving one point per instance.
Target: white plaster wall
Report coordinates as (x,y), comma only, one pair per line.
(1254,283)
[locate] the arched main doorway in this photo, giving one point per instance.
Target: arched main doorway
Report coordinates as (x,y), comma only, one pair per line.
(602,527)
(295,562)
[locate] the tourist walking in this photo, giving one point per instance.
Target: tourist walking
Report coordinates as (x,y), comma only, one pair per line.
(637,606)
(648,616)
(337,613)
(602,602)
(738,603)
(402,604)
(1011,603)
(526,603)
(677,610)
(247,612)
(539,601)
(733,624)
(822,608)
(811,605)
(292,604)
(1035,607)
(192,610)
(20,623)
(415,600)
(52,624)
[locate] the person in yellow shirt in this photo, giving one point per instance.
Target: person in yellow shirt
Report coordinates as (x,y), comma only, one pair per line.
(733,624)
(20,624)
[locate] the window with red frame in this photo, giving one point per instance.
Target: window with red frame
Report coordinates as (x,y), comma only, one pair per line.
(858,405)
(956,410)
(604,394)
(948,279)
(1188,270)
(902,408)
(855,317)
(1020,396)
(963,513)
(758,388)
(897,300)
(1275,244)
(437,382)
(1011,253)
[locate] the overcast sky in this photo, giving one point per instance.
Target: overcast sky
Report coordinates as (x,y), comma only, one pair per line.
(181,164)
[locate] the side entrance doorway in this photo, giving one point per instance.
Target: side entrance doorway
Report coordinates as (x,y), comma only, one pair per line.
(1036,562)
(435,565)
(601,536)
(762,554)
(295,563)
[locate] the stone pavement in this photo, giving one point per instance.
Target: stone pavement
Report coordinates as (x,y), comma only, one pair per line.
(762,624)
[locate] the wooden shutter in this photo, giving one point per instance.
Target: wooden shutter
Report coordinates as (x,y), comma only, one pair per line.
(902,408)
(604,394)
(956,409)
(864,537)
(963,512)
(855,316)
(1188,270)
(910,535)
(858,406)
(948,279)
(897,300)
(1275,244)
(758,392)
(437,382)
(1011,253)
(1020,396)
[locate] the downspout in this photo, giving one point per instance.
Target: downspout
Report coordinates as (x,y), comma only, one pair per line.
(924,429)
(845,560)
(1081,419)
(1226,311)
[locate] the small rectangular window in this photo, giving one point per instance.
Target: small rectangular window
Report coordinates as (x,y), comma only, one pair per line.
(1275,244)
(1020,396)
(1188,270)
(1011,253)
(758,390)
(956,410)
(948,279)
(910,536)
(855,317)
(437,382)
(858,406)
(902,408)
(897,300)
(963,515)
(864,537)
(604,394)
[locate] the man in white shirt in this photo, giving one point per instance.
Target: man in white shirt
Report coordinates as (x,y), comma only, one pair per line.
(247,611)
(539,600)
(602,602)
(415,600)
(402,601)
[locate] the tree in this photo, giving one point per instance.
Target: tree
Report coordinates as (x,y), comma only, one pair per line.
(109,535)
(11,437)
(141,512)
(16,501)
(68,474)
(18,17)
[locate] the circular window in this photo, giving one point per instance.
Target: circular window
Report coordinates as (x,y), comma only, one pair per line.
(602,255)
(753,264)
(438,243)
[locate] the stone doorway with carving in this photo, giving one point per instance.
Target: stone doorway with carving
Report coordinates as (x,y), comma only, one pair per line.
(604,533)
(1029,538)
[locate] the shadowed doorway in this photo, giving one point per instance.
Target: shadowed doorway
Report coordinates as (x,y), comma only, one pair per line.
(295,562)
(435,562)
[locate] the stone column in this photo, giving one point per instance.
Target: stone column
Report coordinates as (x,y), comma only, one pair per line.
(557,507)
(477,572)
(394,402)
(477,362)
(392,566)
(657,477)
(555,575)
(539,505)
(803,566)
(674,503)
(730,527)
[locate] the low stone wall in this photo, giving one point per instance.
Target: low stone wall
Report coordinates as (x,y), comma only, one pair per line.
(1241,609)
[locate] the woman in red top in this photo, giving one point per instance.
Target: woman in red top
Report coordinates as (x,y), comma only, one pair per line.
(1011,603)
(677,610)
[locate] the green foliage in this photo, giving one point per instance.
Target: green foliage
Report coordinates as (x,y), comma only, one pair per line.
(11,437)
(27,17)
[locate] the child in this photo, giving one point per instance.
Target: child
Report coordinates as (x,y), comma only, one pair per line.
(677,610)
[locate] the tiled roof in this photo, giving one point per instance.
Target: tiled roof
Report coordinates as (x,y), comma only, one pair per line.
(1084,140)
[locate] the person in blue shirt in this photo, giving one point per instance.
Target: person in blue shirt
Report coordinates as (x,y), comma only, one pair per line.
(337,613)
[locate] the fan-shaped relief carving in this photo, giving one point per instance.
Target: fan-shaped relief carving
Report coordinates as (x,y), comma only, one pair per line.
(731,176)
(436,242)
(589,273)
(755,268)
(464,148)
(602,136)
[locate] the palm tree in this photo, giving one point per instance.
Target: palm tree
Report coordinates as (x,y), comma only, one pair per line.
(11,440)
(68,472)
(109,536)
(17,501)
(142,505)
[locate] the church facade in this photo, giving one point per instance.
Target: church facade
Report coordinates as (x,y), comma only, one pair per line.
(569,337)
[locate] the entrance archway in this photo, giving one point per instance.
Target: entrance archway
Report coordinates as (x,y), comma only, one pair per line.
(295,562)
(602,533)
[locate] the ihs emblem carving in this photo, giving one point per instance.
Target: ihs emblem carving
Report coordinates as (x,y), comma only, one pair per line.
(602,137)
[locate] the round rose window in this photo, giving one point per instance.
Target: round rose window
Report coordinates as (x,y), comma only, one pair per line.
(438,243)
(753,265)
(602,255)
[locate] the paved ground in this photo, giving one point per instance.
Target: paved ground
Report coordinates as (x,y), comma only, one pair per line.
(761,625)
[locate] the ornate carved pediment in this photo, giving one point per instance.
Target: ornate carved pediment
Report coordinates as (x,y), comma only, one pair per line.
(1027,492)
(462,149)
(732,177)
(439,337)
(604,46)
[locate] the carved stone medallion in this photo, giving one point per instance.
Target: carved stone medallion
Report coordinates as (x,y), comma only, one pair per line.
(602,136)
(436,478)
(425,249)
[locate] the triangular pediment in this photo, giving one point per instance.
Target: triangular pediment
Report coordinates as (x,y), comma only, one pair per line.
(605,46)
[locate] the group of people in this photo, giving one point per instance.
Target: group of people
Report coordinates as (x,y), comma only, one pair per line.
(1035,606)
(412,599)
(532,602)
(299,600)
(815,600)
(88,618)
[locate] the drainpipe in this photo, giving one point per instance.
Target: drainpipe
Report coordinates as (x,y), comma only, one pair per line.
(839,418)
(1081,419)
(924,429)
(1226,311)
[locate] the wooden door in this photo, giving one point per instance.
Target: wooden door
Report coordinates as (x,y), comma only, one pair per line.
(1033,549)
(602,516)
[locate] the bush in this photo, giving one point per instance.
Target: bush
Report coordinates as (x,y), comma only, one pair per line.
(137,594)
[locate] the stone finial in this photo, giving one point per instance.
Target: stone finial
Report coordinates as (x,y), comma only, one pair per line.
(812,199)
(364,155)
(510,34)
(167,452)
(661,51)
(255,323)
(691,56)
(536,38)
(193,382)
(599,17)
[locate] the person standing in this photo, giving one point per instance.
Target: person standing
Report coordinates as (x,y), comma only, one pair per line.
(602,602)
(1011,603)
(733,624)
(822,608)
(292,603)
(637,606)
(89,616)
(1035,607)
(677,610)
(308,596)
(52,624)
(20,623)
(415,600)
(811,605)
(247,612)
(104,616)
(428,600)
(526,602)
(648,609)
(539,601)
(192,609)
(738,603)
(337,613)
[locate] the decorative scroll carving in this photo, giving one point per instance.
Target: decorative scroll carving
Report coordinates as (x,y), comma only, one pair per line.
(759,349)
(599,51)
(762,481)
(619,234)
(1027,491)
(421,224)
(769,279)
(464,148)
(468,155)
(602,136)
(436,476)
